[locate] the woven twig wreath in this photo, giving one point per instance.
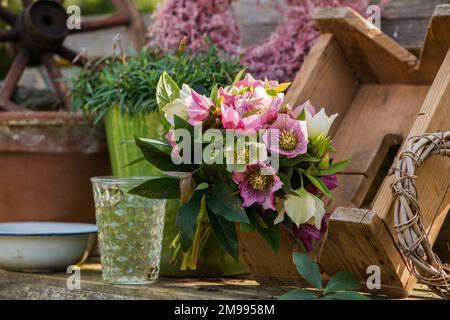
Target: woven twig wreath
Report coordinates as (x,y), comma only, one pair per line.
(411,234)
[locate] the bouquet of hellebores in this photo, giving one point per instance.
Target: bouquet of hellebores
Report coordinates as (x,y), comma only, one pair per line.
(240,155)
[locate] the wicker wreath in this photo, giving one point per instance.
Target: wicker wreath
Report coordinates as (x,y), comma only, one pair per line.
(411,234)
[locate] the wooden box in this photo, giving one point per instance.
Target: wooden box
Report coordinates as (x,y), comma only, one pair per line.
(383,94)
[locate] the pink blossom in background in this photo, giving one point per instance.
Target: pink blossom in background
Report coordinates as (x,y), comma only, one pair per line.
(193,19)
(282,55)
(279,57)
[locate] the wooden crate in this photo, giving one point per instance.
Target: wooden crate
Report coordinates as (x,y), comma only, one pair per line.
(383,94)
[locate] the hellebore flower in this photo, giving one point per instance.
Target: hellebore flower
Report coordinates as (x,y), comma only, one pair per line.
(239,157)
(302,208)
(271,113)
(249,81)
(330,181)
(307,106)
(308,233)
(258,184)
(179,107)
(319,123)
(292,137)
(231,118)
(199,108)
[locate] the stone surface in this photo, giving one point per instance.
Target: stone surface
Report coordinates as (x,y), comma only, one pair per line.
(15,285)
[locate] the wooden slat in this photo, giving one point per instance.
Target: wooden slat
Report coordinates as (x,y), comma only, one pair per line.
(310,84)
(412,9)
(360,232)
(434,116)
(437,42)
(375,57)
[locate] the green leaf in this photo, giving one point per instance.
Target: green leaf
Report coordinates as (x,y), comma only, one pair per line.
(246,227)
(134,162)
(335,168)
(342,281)
(286,183)
(290,162)
(223,202)
(299,294)
(158,158)
(161,145)
(345,295)
(214,93)
(271,234)
(282,86)
(238,77)
(158,188)
(166,90)
(187,220)
(225,233)
(308,269)
(202,186)
(318,183)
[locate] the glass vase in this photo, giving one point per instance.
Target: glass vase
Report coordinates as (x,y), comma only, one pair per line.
(130,230)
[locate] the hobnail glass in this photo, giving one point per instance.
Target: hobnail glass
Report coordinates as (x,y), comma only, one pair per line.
(130,230)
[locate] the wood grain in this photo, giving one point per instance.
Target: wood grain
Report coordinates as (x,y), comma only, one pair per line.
(340,83)
(437,42)
(374,56)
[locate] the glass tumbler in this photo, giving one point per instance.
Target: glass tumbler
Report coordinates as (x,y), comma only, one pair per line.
(130,230)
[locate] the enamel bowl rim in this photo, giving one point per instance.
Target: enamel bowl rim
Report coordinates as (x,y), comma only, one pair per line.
(41,228)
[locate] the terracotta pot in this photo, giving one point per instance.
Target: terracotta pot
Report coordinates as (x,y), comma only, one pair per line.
(46,160)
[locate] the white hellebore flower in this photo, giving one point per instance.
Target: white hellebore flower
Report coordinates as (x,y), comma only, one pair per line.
(262,95)
(179,106)
(302,208)
(319,124)
(238,157)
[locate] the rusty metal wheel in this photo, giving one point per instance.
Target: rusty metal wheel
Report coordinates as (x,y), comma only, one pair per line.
(38,32)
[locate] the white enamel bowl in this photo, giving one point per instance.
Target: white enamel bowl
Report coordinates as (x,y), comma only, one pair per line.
(44,246)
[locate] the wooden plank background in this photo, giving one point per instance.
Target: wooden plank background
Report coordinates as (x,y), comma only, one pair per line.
(405,21)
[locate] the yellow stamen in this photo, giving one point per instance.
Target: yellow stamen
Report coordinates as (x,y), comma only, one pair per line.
(288,140)
(258,181)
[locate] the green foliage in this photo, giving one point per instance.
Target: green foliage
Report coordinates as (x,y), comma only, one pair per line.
(131,83)
(265,226)
(158,188)
(225,233)
(338,288)
(158,158)
(187,220)
(222,202)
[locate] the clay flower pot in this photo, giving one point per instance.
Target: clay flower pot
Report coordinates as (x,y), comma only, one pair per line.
(46,160)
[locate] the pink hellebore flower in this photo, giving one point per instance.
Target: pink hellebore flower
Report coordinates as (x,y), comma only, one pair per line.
(308,233)
(306,106)
(199,108)
(292,137)
(271,113)
(249,81)
(258,184)
(231,118)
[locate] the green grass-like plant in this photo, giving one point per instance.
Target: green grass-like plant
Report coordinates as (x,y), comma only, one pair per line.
(130,82)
